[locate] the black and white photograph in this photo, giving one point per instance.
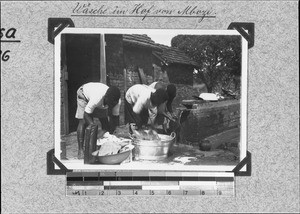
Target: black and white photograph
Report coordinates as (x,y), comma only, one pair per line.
(150,99)
(156,106)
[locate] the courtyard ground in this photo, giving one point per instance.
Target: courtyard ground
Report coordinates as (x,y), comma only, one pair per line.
(180,153)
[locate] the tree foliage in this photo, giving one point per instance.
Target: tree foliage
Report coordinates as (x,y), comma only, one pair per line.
(218,56)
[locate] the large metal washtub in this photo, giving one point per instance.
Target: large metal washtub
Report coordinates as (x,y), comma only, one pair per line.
(156,150)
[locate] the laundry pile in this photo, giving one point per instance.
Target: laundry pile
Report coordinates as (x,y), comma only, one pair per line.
(110,145)
(145,134)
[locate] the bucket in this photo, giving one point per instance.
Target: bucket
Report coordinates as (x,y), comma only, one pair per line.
(153,149)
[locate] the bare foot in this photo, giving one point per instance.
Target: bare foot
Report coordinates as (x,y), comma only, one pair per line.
(80,154)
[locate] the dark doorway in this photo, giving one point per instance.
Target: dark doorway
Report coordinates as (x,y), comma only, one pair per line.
(83,66)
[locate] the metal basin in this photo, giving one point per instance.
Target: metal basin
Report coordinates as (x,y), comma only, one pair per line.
(153,149)
(115,158)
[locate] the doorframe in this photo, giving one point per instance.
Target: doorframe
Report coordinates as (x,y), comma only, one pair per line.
(102,59)
(64,76)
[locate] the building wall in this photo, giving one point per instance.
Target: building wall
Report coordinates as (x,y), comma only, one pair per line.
(159,74)
(115,66)
(208,119)
(180,74)
(135,58)
(120,57)
(185,92)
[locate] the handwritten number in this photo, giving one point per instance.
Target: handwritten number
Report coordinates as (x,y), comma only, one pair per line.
(185,192)
(101,193)
(169,192)
(118,192)
(5,56)
(152,192)
(135,192)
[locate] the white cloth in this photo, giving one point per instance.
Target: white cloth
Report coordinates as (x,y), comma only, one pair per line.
(139,96)
(94,93)
(209,96)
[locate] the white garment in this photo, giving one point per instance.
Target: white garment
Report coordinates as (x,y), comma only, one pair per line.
(139,96)
(209,96)
(94,93)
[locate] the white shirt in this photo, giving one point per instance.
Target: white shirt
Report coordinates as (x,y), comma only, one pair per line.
(139,96)
(95,92)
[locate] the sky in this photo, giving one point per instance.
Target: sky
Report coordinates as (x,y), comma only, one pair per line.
(164,39)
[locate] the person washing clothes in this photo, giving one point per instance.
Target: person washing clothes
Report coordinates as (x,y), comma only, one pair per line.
(165,109)
(93,100)
(141,103)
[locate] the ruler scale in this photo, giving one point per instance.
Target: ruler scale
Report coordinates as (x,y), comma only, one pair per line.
(149,183)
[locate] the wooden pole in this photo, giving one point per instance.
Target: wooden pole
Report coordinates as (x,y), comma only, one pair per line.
(102,59)
(64,79)
(125,79)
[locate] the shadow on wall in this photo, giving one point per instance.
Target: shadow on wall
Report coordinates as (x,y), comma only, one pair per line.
(185,92)
(159,74)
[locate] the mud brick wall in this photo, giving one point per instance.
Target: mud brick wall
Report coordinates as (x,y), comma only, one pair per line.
(118,80)
(159,74)
(114,54)
(136,57)
(185,92)
(115,66)
(119,57)
(132,77)
(180,74)
(210,118)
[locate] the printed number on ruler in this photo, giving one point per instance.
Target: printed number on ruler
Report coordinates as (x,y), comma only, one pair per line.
(148,192)
(79,192)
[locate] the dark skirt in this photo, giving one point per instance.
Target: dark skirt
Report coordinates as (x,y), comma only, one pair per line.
(131,117)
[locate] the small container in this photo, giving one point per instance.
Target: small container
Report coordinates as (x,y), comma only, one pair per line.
(205,145)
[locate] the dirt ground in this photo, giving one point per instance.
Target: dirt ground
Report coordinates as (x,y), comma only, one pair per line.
(180,153)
